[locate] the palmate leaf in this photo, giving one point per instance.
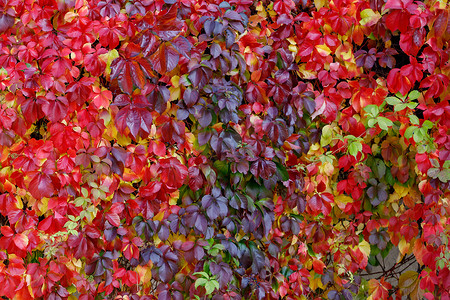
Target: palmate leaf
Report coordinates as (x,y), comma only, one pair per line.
(41,186)
(131,71)
(133,115)
(165,59)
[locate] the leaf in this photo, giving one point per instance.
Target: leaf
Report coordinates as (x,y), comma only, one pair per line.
(21,241)
(102,97)
(320,3)
(419,135)
(41,186)
(200,282)
(378,289)
(282,171)
(369,17)
(393,100)
(372,122)
(384,123)
(400,107)
(408,282)
(137,120)
(6,22)
(55,108)
(414,119)
(318,266)
(165,59)
(342,201)
(373,110)
(413,95)
(327,135)
(354,148)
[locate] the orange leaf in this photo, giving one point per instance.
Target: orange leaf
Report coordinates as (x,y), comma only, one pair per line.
(318,266)
(378,289)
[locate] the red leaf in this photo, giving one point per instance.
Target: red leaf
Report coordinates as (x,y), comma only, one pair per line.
(138,120)
(125,81)
(41,186)
(398,83)
(113,219)
(21,241)
(173,173)
(165,59)
(318,266)
(54,108)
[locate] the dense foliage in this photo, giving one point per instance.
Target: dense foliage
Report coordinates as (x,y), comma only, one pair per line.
(180,149)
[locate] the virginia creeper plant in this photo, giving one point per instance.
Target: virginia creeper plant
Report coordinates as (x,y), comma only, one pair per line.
(195,149)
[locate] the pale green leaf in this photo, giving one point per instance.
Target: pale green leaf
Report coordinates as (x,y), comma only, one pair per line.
(414,95)
(409,131)
(393,100)
(384,123)
(414,119)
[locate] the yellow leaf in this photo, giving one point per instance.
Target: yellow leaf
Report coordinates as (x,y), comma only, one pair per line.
(145,274)
(175,80)
(344,52)
(315,281)
(293,49)
(408,282)
(402,191)
(364,246)
(175,93)
(43,205)
(320,3)
(403,246)
(369,17)
(342,201)
(260,9)
(305,73)
(323,50)
(328,169)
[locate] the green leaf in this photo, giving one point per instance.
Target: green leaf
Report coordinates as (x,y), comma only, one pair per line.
(384,123)
(372,122)
(444,176)
(380,168)
(222,167)
(400,107)
(326,137)
(84,192)
(401,96)
(440,264)
(393,100)
(354,148)
(200,282)
(419,135)
(414,95)
(433,172)
(435,163)
(203,274)
(385,251)
(210,287)
(79,201)
(372,260)
(412,105)
(414,119)
(409,131)
(427,124)
(389,178)
(372,109)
